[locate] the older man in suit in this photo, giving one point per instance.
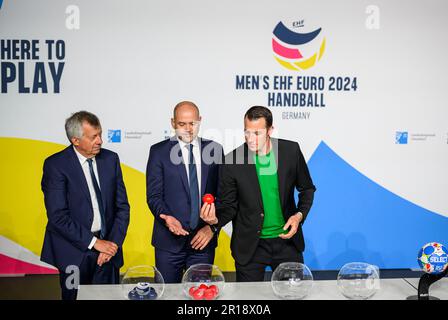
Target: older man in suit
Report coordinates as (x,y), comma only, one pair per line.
(87,208)
(256,193)
(180,171)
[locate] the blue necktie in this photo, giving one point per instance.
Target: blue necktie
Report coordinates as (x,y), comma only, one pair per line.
(98,198)
(194,189)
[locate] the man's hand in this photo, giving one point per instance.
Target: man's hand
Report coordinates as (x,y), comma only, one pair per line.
(202,238)
(292,222)
(174,225)
(208,213)
(105,246)
(103,258)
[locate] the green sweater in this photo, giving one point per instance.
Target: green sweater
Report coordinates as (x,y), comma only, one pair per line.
(267,178)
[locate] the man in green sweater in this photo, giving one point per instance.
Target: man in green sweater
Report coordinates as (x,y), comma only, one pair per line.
(256,192)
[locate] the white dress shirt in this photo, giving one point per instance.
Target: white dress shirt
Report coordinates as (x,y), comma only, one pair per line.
(197,158)
(96,224)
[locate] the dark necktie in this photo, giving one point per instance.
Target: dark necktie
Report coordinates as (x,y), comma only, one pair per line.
(194,189)
(98,198)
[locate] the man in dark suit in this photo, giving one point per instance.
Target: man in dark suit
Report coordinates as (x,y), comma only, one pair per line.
(180,171)
(256,193)
(87,208)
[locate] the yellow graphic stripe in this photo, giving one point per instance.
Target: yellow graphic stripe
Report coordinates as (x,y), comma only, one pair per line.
(305,63)
(308,63)
(286,64)
(322,49)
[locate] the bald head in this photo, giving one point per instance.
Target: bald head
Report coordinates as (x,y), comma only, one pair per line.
(186,120)
(185,106)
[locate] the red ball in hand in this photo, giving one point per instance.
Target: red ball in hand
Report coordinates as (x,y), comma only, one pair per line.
(208,198)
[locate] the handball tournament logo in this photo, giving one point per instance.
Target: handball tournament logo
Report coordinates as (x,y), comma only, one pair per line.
(297,50)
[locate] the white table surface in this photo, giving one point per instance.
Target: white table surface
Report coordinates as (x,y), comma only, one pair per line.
(438,289)
(390,289)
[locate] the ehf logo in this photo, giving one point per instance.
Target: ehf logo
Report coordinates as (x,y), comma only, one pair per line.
(114,136)
(401,137)
(297,50)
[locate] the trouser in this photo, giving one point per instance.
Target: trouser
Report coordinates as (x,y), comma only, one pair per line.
(173,264)
(89,273)
(269,252)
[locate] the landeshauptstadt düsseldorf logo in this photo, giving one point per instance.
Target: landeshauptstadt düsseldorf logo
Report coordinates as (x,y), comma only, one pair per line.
(297,48)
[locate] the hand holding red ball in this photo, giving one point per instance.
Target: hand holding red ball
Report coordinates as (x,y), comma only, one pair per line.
(208,213)
(208,198)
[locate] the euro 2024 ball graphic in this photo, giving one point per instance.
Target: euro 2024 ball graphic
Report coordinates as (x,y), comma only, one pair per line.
(433,258)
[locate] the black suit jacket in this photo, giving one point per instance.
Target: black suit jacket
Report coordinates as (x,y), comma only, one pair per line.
(239,196)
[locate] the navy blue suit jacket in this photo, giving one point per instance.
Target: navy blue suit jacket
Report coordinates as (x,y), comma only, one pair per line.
(69,207)
(168,192)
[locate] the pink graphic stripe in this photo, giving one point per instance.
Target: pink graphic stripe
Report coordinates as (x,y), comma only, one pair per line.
(285,52)
(10,265)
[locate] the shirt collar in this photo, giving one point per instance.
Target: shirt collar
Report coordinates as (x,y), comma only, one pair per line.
(81,158)
(195,142)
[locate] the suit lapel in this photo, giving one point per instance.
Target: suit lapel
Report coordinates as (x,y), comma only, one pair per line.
(281,169)
(204,168)
(100,166)
(180,167)
(252,174)
(79,173)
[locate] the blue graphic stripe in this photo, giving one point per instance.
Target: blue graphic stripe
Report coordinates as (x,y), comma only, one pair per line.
(355,219)
(1,2)
(287,36)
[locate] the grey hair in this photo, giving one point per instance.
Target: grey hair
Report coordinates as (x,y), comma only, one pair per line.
(73,125)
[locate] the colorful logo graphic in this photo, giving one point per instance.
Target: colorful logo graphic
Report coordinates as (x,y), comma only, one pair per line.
(433,258)
(401,137)
(114,136)
(297,51)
